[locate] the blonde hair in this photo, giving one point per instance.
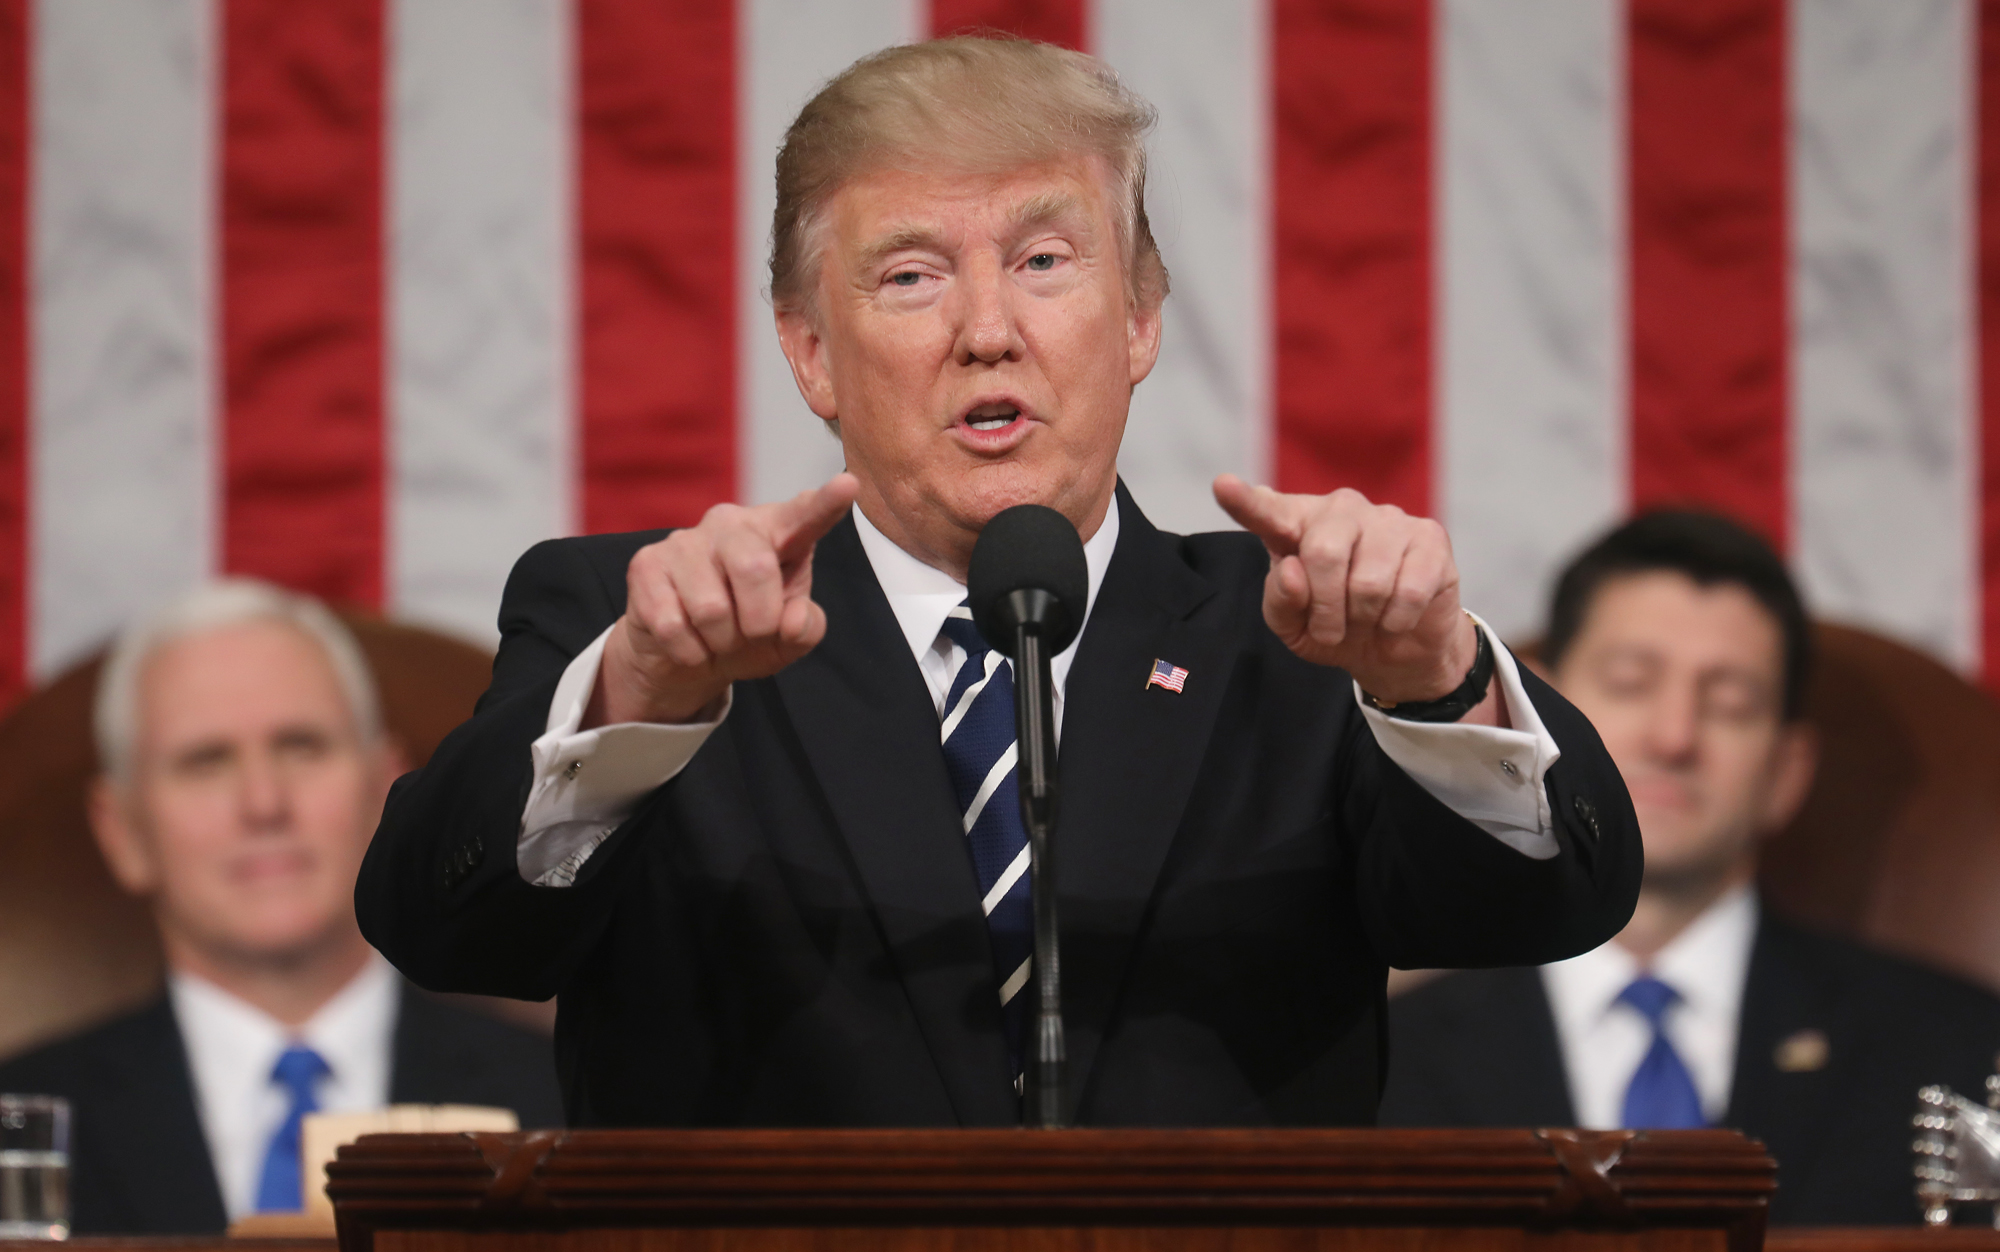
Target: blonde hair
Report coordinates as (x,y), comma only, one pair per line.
(986,102)
(230,602)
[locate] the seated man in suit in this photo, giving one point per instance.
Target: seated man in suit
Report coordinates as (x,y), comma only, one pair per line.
(1683,639)
(244,764)
(744,793)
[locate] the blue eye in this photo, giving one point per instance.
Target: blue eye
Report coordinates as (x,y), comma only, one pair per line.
(908,278)
(1042,261)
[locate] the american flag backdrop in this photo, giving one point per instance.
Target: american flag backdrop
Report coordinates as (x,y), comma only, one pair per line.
(366,296)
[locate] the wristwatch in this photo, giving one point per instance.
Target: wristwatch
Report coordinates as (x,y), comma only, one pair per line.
(1451,707)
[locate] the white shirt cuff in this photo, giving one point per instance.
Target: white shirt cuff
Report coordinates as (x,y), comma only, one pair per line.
(1492,777)
(588,781)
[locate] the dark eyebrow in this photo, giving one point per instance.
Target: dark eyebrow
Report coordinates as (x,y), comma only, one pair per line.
(1034,212)
(901,239)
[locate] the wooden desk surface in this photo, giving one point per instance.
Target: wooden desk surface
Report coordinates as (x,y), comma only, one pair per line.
(1964,1238)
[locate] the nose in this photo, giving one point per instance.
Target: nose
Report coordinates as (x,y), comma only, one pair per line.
(263,794)
(988,332)
(1674,730)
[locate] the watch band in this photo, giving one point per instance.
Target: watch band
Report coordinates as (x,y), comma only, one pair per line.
(1451,707)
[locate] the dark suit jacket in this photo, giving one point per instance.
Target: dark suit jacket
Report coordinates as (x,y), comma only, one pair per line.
(139,1163)
(1480,1049)
(789,932)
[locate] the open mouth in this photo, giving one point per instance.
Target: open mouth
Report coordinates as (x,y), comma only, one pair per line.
(995,416)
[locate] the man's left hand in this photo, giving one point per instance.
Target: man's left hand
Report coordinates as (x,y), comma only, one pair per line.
(1365,587)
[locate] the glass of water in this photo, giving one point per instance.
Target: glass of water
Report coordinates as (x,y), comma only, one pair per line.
(34,1167)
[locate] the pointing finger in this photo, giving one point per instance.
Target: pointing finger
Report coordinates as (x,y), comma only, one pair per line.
(795,525)
(1271,516)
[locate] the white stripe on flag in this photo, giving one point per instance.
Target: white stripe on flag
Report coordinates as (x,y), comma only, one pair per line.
(1884,457)
(1530,275)
(1205,409)
(787,50)
(481,404)
(122,455)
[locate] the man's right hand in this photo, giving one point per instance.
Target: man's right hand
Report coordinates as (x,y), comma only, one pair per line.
(726,600)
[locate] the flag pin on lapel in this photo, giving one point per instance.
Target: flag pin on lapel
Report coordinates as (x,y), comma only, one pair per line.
(1168,675)
(1804,1052)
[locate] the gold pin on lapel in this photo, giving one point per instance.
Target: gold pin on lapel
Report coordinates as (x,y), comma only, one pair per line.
(1802,1052)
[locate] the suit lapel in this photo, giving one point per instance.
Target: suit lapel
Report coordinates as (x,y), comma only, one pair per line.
(870,731)
(1783,1088)
(155,1160)
(1128,759)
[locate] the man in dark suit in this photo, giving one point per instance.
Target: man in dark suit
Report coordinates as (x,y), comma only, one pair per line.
(1684,640)
(244,766)
(744,793)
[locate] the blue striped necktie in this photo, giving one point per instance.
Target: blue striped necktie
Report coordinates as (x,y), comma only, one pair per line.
(979,754)
(1662,1094)
(297,1070)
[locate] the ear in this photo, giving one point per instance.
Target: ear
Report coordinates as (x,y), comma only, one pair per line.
(1143,338)
(126,850)
(1794,762)
(805,349)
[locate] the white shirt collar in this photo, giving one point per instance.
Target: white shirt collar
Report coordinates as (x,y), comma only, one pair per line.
(922,596)
(1707,963)
(232,1046)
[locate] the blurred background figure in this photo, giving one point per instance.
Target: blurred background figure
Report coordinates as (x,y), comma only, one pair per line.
(1681,636)
(244,767)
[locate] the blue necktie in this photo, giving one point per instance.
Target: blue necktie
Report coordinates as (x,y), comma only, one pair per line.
(1662,1094)
(279,1189)
(979,755)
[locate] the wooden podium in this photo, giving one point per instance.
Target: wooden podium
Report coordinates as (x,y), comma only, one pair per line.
(1103,1190)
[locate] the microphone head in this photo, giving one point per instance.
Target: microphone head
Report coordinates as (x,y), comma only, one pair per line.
(1029,548)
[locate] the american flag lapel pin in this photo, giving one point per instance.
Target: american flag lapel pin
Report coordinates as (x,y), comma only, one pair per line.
(1168,675)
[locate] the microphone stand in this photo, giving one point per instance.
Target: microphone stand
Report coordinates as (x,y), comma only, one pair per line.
(1035,730)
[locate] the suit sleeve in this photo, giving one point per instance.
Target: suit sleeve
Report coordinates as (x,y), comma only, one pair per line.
(439,892)
(1438,892)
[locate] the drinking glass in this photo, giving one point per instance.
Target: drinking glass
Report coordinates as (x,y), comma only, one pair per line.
(34,1167)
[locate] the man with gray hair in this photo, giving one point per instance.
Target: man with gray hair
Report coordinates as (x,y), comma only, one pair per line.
(745,795)
(244,763)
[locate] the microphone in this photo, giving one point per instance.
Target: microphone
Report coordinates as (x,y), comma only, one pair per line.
(1027,587)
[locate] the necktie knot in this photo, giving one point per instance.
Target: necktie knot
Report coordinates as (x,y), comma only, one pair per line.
(298,1068)
(1651,997)
(965,633)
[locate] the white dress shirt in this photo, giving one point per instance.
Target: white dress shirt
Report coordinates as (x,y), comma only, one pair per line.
(588,781)
(232,1047)
(1604,1040)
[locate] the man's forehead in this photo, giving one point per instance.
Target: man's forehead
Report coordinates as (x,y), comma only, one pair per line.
(1671,610)
(884,207)
(259,668)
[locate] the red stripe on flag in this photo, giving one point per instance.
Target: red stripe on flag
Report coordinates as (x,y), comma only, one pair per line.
(657,272)
(14,171)
(1708,256)
(1052,21)
(301,294)
(1987,125)
(1351,136)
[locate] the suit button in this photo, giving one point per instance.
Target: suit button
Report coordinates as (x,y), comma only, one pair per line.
(1586,812)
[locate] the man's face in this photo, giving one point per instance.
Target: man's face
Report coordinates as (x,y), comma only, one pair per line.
(252,795)
(1685,684)
(975,339)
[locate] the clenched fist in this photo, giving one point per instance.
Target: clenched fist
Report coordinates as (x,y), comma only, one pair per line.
(726,600)
(1365,587)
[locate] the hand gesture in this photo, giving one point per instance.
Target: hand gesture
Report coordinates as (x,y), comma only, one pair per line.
(728,599)
(1365,587)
